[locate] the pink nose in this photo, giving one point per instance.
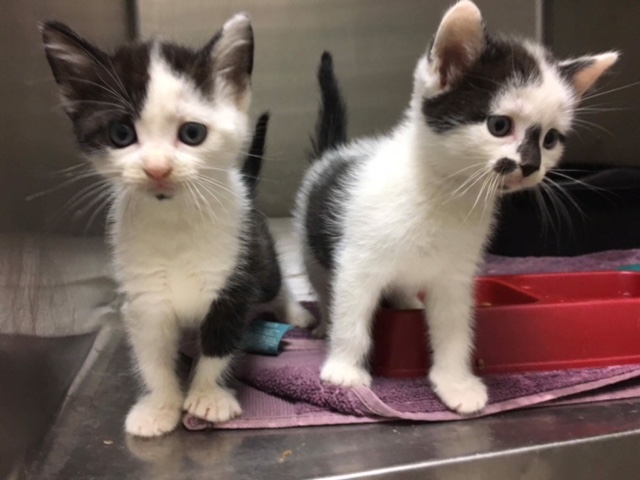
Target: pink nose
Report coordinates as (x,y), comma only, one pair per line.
(158,173)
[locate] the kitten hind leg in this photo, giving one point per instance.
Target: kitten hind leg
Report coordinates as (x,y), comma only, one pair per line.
(319,279)
(355,298)
(154,334)
(450,315)
(287,309)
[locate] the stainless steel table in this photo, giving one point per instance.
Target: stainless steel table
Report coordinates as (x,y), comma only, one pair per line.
(86,441)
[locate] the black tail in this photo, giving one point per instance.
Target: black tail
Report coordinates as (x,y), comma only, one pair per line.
(331,126)
(253,162)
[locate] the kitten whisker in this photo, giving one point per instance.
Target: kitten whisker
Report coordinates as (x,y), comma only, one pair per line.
(107,197)
(585,123)
(213,195)
(219,185)
(62,185)
(599,94)
(593,188)
(466,185)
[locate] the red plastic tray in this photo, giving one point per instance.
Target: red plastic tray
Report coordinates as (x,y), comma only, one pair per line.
(526,323)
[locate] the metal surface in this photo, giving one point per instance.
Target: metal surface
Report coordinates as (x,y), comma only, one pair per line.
(35,374)
(596,441)
(376,44)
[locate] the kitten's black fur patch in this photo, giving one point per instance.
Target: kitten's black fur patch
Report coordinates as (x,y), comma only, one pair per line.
(529,150)
(257,278)
(253,163)
(326,207)
(505,165)
(192,64)
(331,126)
(98,87)
(328,195)
(569,70)
(502,62)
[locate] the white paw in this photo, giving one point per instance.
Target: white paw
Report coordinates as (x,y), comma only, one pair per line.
(299,316)
(216,406)
(152,417)
(464,394)
(344,374)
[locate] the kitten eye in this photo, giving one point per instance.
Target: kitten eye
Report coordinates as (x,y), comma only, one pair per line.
(192,133)
(499,125)
(551,139)
(122,134)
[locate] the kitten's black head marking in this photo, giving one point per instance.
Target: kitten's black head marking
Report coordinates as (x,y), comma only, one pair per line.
(502,62)
(194,65)
(529,150)
(97,88)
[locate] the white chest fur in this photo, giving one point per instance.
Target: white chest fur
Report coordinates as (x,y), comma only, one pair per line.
(400,217)
(166,252)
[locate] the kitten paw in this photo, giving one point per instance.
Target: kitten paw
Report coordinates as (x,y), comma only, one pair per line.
(151,417)
(320,331)
(462,394)
(344,374)
(300,317)
(215,406)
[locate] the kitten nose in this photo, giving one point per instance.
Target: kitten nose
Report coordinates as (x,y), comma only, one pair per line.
(528,169)
(158,173)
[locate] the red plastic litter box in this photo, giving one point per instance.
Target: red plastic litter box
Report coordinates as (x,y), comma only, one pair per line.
(527,322)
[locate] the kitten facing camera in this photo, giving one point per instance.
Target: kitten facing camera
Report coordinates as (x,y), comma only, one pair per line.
(413,210)
(167,126)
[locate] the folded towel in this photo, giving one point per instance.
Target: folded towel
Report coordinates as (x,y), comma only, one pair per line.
(286,390)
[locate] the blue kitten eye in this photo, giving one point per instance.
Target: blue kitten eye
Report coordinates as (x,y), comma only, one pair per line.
(121,133)
(192,133)
(499,125)
(551,139)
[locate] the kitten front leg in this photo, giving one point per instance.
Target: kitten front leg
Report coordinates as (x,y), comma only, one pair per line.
(208,398)
(220,337)
(154,334)
(354,300)
(450,320)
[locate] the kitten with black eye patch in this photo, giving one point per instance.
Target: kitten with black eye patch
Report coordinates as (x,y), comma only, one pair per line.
(413,210)
(167,125)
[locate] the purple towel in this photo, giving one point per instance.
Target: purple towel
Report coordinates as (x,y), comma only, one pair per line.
(286,391)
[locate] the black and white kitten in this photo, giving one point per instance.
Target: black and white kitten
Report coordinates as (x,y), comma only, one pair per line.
(412,210)
(167,125)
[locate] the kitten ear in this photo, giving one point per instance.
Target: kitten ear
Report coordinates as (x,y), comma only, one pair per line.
(584,72)
(72,59)
(232,56)
(458,43)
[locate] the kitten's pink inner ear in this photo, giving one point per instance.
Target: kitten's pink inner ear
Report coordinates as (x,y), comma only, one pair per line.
(233,63)
(459,41)
(585,78)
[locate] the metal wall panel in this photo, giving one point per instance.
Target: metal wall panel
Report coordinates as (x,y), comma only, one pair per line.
(376,44)
(611,135)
